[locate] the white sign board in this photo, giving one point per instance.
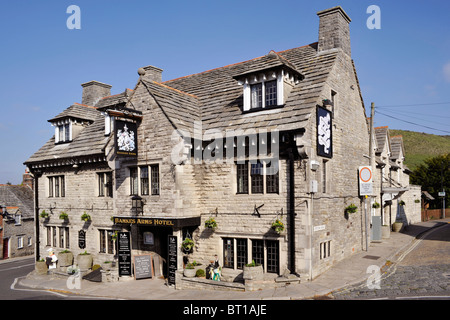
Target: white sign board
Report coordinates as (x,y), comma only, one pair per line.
(365,181)
(319,228)
(441,194)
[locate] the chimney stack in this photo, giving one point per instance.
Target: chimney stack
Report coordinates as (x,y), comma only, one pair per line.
(334,31)
(151,73)
(93,91)
(27,179)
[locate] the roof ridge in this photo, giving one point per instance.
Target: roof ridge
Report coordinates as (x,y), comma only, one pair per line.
(237,63)
(85,105)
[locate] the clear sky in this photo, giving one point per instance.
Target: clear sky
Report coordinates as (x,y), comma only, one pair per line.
(404,67)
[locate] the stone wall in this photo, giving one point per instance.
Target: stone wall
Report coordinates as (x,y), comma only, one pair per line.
(81,195)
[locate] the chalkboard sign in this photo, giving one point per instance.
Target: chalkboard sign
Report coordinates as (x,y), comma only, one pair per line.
(124,253)
(82,239)
(172,259)
(143,267)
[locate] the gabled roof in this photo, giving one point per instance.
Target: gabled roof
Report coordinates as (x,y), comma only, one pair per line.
(181,108)
(90,142)
(382,138)
(270,61)
(77,111)
(397,147)
(20,197)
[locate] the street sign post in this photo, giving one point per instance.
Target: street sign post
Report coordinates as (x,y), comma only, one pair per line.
(365,177)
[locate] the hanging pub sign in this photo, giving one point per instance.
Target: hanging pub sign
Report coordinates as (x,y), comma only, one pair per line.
(324,136)
(125,138)
(82,239)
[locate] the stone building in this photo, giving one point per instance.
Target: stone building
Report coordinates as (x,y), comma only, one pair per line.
(277,137)
(398,199)
(16,220)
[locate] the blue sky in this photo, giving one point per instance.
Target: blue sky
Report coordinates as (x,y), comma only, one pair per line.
(404,67)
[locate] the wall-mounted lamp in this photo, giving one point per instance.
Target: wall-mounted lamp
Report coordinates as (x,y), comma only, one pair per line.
(314,165)
(137,204)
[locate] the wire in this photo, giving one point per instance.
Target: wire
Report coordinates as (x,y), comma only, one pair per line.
(404,115)
(412,105)
(416,124)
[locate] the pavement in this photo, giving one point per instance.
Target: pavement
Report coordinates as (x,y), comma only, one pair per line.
(352,270)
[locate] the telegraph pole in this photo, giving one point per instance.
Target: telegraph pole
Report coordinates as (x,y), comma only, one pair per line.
(371,164)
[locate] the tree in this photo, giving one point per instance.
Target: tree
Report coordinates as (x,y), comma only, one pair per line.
(434,177)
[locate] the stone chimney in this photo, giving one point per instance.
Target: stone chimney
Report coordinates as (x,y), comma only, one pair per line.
(27,179)
(93,91)
(334,31)
(151,73)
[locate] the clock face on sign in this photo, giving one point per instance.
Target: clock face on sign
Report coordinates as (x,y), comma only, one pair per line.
(324,141)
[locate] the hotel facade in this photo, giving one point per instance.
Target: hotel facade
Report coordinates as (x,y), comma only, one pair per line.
(254,161)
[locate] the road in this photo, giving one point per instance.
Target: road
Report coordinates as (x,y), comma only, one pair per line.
(10,289)
(422,272)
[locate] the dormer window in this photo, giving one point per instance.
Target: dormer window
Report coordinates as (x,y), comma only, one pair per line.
(263,95)
(63,132)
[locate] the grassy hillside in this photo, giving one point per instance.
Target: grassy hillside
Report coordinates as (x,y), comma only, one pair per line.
(421,146)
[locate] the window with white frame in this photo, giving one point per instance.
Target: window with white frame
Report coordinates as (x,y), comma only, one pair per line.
(56,186)
(19,242)
(325,249)
(105,184)
(106,241)
(267,89)
(63,131)
(264,94)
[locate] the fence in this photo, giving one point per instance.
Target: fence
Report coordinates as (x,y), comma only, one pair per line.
(434,214)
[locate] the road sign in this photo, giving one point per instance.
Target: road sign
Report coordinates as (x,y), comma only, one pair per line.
(365,177)
(441,194)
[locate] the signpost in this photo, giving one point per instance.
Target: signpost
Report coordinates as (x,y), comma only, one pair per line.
(124,253)
(365,177)
(172,259)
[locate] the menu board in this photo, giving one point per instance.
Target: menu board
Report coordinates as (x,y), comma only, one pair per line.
(172,259)
(143,267)
(124,253)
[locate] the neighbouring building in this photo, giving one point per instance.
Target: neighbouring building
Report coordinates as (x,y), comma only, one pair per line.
(277,137)
(17,219)
(398,200)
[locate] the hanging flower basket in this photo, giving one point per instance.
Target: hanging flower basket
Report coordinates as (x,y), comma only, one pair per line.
(402,203)
(85,217)
(64,216)
(351,208)
(375,205)
(211,223)
(44,214)
(187,245)
(278,226)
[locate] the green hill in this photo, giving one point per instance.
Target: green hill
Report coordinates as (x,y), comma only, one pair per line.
(421,146)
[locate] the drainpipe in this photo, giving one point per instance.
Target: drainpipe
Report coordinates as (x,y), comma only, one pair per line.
(36,175)
(292,210)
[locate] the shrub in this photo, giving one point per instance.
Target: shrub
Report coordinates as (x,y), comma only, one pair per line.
(96,266)
(200,273)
